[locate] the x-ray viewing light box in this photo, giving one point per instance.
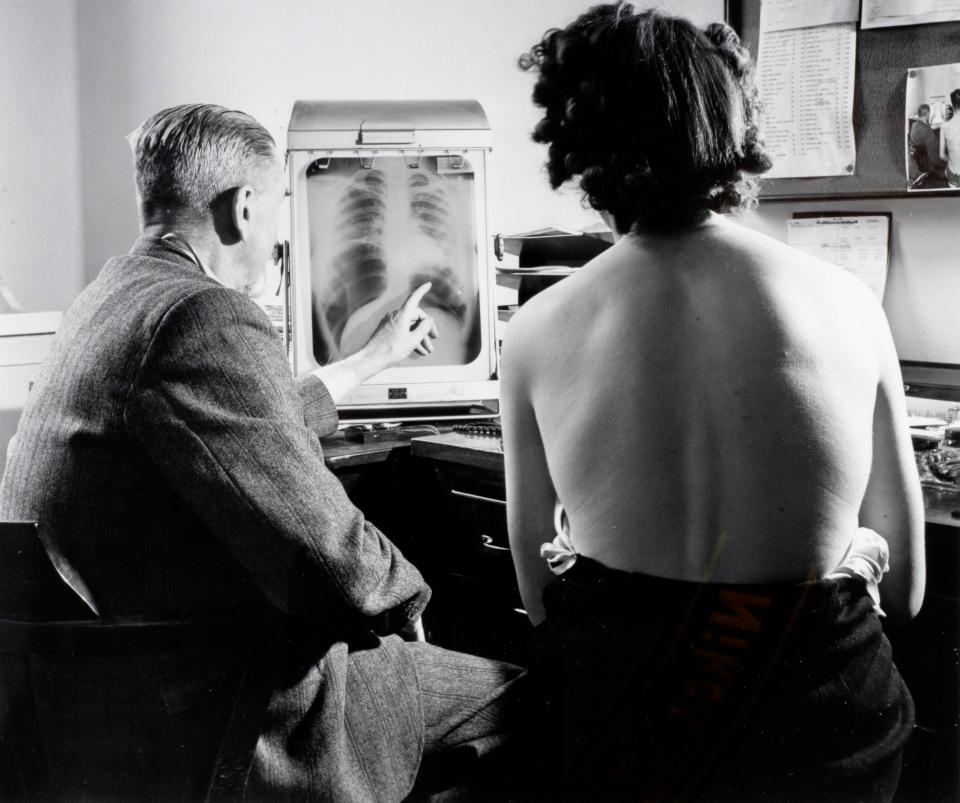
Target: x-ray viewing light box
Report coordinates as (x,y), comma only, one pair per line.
(386,195)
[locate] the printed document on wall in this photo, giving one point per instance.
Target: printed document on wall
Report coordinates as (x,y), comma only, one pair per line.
(857,243)
(889,13)
(805,75)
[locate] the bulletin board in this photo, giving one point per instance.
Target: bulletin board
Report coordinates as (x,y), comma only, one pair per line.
(883,57)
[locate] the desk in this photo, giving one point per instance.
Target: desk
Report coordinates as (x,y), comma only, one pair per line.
(479,451)
(340,453)
(471,450)
(941,507)
(453,447)
(440,498)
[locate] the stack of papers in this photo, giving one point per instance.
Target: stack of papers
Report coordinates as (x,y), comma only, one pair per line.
(512,243)
(553,248)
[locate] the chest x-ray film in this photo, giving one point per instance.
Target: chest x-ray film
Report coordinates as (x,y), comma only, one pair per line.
(379,229)
(384,197)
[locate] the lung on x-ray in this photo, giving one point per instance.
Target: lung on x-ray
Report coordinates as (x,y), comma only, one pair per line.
(380,228)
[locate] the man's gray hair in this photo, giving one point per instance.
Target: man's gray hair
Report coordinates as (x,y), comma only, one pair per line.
(187,156)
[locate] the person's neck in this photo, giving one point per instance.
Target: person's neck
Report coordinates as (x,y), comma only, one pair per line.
(711,222)
(203,244)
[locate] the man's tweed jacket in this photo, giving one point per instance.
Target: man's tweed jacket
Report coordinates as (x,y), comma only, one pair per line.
(176,465)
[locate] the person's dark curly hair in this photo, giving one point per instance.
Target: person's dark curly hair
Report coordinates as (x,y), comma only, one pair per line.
(658,118)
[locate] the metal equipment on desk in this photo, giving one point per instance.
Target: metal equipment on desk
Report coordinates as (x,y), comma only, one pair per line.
(385,196)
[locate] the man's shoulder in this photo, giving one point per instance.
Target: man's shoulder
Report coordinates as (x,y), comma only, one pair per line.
(136,264)
(144,277)
(162,285)
(137,298)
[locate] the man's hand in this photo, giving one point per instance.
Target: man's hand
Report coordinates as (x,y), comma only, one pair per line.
(404,331)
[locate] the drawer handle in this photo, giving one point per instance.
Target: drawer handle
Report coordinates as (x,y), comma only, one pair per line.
(477,497)
(488,544)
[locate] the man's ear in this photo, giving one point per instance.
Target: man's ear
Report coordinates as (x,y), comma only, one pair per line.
(240,209)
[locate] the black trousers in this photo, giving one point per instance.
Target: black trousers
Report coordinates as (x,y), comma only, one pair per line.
(644,688)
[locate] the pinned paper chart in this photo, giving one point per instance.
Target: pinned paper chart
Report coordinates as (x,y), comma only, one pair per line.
(805,75)
(857,243)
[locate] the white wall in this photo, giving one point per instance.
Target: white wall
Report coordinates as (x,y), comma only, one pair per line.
(77,75)
(139,56)
(41,242)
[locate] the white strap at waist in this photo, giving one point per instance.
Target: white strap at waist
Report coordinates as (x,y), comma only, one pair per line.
(868,556)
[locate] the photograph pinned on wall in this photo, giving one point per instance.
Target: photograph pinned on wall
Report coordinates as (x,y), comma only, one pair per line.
(896,13)
(932,128)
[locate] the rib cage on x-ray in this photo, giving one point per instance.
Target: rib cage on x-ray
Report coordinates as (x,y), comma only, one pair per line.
(359,268)
(431,210)
(378,233)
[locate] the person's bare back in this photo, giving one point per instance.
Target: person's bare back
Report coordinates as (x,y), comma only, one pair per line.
(705,406)
(721,418)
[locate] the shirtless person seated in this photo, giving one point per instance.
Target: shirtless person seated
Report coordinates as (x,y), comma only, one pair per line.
(721,419)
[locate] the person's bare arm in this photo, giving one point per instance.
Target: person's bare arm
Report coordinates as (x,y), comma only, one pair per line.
(530,492)
(943,146)
(893,502)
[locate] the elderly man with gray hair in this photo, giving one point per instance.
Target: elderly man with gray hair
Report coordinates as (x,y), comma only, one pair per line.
(175,464)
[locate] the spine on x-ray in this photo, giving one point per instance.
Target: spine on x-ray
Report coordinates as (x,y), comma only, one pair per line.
(359,264)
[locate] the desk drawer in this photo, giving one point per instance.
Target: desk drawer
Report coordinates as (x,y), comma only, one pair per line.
(480,530)
(482,516)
